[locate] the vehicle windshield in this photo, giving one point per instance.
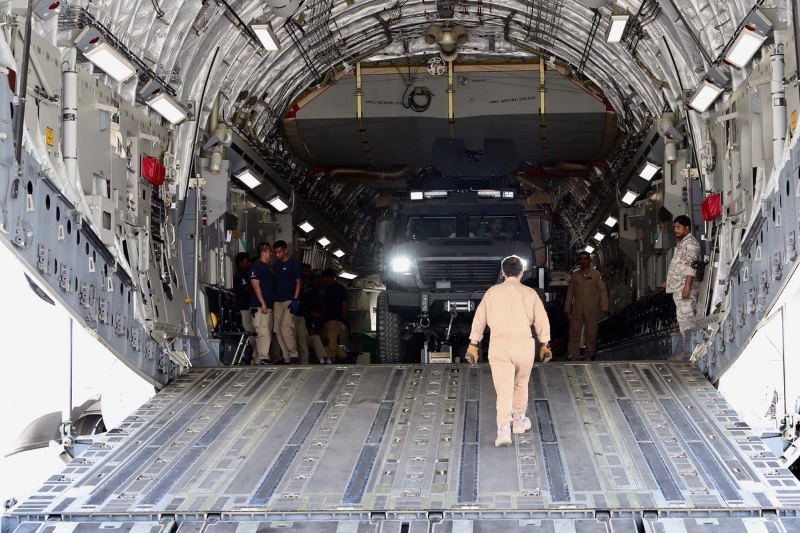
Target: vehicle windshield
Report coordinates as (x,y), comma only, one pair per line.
(499,227)
(423,228)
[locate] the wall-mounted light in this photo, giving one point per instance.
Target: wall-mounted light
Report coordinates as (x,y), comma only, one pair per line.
(113,63)
(755,29)
(278,204)
(599,236)
(611,221)
(629,197)
(267,37)
(649,171)
(415,195)
(247,177)
(347,275)
(323,241)
(168,108)
(589,249)
(306,226)
(616,27)
(339,254)
(708,90)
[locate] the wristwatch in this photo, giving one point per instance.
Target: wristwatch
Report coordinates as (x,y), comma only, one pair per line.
(475,344)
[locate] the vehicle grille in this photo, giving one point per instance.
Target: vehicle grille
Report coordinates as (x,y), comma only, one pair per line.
(459,273)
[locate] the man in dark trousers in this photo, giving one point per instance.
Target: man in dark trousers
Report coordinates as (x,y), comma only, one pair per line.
(243,290)
(587,297)
(288,283)
(262,301)
(336,311)
(510,309)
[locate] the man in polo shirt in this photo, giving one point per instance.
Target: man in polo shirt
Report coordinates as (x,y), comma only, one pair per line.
(288,284)
(262,301)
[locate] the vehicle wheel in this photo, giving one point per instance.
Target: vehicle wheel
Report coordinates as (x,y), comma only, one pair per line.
(390,326)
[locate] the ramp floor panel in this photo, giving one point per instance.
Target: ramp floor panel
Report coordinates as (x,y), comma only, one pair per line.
(249,441)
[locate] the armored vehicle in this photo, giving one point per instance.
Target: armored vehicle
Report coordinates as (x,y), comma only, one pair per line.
(442,250)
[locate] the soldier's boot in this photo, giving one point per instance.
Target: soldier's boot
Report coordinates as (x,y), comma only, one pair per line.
(520,423)
(503,436)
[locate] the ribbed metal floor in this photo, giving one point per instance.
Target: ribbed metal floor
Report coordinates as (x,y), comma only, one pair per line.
(409,442)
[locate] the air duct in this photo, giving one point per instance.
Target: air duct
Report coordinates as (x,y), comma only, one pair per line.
(448,39)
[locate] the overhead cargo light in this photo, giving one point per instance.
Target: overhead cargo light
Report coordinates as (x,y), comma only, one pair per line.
(616,27)
(599,236)
(278,204)
(611,221)
(306,226)
(168,108)
(347,275)
(111,62)
(589,249)
(339,254)
(247,177)
(416,195)
(267,37)
(748,42)
(323,241)
(710,88)
(630,197)
(649,171)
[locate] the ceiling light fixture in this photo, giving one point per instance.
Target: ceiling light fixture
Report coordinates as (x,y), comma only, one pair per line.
(306,226)
(347,275)
(247,177)
(168,108)
(599,236)
(754,31)
(339,254)
(278,204)
(630,197)
(323,241)
(611,221)
(267,37)
(649,171)
(708,90)
(111,62)
(616,27)
(589,249)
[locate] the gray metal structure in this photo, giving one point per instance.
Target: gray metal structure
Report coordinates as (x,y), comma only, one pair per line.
(615,447)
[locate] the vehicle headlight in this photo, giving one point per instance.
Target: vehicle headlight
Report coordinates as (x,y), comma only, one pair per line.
(401,264)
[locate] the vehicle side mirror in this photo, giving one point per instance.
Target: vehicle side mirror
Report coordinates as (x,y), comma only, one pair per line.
(383,229)
(546,230)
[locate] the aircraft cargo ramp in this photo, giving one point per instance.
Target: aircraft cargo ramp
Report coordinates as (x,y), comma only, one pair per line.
(615,448)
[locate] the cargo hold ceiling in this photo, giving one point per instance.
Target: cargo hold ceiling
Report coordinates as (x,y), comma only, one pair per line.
(666,48)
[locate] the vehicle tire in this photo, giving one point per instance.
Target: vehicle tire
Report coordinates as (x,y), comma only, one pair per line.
(390,326)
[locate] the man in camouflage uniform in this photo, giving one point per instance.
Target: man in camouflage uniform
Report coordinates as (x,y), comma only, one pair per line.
(586,299)
(681,277)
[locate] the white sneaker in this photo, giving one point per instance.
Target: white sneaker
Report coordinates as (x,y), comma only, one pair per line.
(521,423)
(328,361)
(503,436)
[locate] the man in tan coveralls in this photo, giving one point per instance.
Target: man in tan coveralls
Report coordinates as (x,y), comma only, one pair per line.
(586,298)
(510,309)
